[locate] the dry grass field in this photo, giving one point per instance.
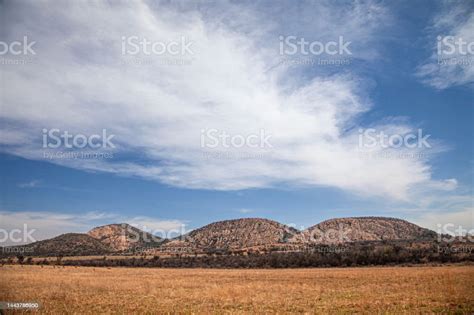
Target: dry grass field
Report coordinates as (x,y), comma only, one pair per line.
(447,289)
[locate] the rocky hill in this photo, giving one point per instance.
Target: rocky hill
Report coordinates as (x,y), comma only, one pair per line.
(70,244)
(239,235)
(236,234)
(345,230)
(124,237)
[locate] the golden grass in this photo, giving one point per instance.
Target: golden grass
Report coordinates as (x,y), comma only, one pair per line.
(447,289)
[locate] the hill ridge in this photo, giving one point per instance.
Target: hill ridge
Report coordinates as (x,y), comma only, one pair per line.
(234,235)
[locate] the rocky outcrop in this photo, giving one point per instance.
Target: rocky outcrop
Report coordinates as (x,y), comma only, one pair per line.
(230,236)
(124,237)
(345,230)
(236,234)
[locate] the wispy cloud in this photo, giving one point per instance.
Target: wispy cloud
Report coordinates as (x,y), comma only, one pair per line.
(159,110)
(449,65)
(30,184)
(245,210)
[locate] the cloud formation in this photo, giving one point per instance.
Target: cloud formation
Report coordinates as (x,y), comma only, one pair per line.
(157,106)
(451,64)
(447,222)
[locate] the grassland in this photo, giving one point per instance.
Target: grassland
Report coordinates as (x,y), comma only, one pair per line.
(446,289)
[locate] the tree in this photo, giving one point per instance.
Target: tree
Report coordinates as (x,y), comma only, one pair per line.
(20,258)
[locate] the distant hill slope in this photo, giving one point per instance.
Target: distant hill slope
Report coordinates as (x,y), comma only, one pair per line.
(238,233)
(70,244)
(124,237)
(363,229)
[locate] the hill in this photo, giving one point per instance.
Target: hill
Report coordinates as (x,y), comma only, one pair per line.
(70,244)
(124,237)
(237,234)
(343,230)
(230,236)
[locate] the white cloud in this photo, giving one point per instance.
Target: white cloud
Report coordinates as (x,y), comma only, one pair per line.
(245,210)
(447,222)
(448,184)
(79,81)
(30,184)
(445,68)
(40,225)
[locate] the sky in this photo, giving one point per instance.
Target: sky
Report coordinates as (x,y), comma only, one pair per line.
(170,115)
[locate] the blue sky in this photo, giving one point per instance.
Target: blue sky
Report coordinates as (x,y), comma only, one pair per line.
(83,79)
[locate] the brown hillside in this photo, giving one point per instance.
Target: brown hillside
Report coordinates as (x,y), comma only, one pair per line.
(70,244)
(124,237)
(239,233)
(364,229)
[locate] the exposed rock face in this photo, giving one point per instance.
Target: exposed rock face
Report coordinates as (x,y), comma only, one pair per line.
(124,237)
(363,229)
(70,244)
(239,233)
